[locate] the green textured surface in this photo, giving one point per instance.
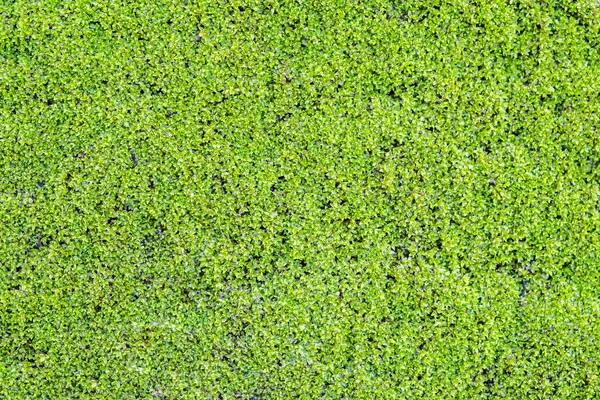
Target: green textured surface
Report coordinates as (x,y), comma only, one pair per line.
(299,199)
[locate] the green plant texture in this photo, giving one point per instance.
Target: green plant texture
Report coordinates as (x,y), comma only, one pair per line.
(299,199)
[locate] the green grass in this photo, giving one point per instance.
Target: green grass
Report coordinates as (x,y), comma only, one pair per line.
(299,199)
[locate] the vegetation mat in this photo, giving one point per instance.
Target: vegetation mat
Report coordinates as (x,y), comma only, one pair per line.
(321,199)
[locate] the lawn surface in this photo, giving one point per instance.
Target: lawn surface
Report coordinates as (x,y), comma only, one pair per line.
(299,199)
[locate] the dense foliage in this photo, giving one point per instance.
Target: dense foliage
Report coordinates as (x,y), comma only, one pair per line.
(299,199)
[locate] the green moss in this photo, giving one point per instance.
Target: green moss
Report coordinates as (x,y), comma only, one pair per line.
(291,199)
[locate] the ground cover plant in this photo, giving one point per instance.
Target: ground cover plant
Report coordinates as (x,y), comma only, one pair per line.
(299,199)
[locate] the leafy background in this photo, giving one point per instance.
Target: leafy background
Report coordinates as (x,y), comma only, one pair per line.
(299,199)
